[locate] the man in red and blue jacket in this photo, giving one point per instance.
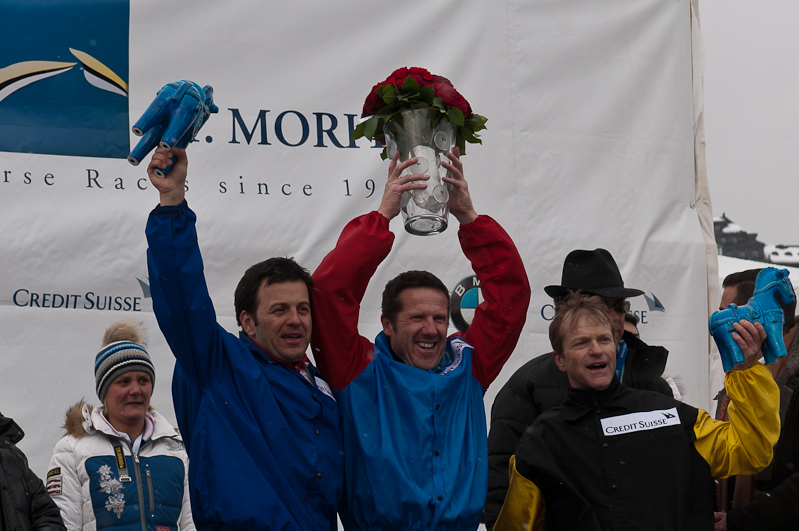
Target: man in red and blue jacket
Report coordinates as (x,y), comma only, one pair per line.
(411,404)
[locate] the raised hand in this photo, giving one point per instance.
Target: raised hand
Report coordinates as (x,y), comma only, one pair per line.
(460,201)
(749,337)
(396,185)
(172,187)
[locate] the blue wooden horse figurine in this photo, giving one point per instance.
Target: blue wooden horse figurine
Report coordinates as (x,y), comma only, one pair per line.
(772,289)
(174,118)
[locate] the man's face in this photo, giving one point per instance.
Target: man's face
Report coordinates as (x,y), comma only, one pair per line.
(419,334)
(282,323)
(589,354)
(728,296)
(616,307)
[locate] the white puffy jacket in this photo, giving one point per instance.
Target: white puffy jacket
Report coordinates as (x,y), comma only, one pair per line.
(94,493)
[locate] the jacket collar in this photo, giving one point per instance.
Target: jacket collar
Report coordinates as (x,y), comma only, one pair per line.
(10,431)
(580,402)
(258,350)
(382,344)
(95,421)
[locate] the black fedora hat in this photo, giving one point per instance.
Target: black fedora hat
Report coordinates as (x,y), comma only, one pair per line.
(593,272)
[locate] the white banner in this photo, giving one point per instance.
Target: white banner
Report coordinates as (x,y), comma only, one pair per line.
(589,144)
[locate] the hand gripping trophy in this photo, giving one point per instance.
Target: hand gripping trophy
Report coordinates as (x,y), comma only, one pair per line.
(420,115)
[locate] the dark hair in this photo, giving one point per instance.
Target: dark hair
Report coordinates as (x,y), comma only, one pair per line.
(573,306)
(410,279)
(632,318)
(743,292)
(274,270)
(750,275)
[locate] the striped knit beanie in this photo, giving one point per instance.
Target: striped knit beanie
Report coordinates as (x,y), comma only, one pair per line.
(121,356)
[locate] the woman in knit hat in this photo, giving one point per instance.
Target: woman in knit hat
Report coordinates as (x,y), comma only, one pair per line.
(121,465)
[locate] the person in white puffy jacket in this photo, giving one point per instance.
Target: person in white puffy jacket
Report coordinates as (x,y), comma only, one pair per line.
(121,466)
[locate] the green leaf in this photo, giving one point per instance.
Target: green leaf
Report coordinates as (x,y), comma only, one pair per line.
(370,126)
(469,136)
(439,103)
(358,131)
(455,116)
(427,94)
(476,122)
(410,85)
(383,154)
(459,141)
(388,94)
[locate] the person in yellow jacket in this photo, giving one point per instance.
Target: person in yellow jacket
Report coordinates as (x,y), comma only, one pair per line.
(612,457)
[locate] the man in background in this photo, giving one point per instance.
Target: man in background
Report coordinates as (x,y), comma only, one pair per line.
(767,501)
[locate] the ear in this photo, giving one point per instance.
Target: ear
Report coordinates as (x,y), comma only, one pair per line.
(387,328)
(559,361)
(247,323)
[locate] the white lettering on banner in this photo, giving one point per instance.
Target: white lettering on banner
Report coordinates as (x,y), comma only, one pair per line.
(647,420)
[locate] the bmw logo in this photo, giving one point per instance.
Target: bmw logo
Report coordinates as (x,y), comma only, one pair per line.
(464,301)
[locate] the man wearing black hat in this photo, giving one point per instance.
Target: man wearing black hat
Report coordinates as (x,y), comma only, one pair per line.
(539,385)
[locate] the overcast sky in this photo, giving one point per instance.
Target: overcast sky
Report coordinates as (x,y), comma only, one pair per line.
(752,113)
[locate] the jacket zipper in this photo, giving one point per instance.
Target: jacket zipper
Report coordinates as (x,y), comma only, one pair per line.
(150,489)
(140,490)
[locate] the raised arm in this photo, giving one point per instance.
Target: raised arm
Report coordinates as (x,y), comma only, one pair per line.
(340,282)
(181,301)
(745,444)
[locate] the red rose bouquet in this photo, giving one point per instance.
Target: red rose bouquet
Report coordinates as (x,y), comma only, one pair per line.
(416,88)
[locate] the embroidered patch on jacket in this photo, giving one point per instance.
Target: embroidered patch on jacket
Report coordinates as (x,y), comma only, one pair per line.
(647,420)
(54,472)
(54,485)
(457,346)
(172,444)
(111,485)
(322,385)
(162,528)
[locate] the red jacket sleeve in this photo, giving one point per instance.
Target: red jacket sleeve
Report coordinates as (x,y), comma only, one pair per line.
(499,319)
(339,285)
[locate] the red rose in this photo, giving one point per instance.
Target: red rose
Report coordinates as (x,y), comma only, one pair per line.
(441,79)
(422,76)
(397,77)
(452,98)
(372,103)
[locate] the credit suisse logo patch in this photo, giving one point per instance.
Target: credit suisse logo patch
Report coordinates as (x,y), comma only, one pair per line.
(647,420)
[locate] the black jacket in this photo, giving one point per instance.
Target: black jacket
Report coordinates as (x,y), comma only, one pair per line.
(24,502)
(538,386)
(641,470)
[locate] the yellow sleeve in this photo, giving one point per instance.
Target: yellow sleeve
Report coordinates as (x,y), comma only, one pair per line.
(745,444)
(524,506)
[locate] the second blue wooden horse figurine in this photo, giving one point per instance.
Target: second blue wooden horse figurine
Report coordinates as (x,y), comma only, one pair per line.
(772,289)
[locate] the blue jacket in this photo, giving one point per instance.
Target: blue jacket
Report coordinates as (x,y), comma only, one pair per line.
(431,473)
(264,444)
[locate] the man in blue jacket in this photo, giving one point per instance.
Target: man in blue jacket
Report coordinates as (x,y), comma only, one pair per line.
(260,427)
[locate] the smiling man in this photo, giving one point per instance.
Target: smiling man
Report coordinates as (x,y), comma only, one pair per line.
(611,457)
(260,427)
(412,413)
